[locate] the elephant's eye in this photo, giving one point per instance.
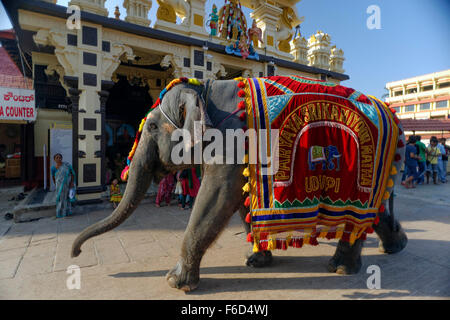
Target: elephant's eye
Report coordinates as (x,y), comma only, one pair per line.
(153,126)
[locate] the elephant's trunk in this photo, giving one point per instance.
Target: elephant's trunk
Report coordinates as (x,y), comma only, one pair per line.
(140,176)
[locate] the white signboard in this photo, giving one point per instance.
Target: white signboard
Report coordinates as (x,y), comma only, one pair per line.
(17,104)
(60,142)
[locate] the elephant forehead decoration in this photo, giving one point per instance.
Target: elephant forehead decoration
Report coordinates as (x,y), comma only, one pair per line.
(193,81)
(327,144)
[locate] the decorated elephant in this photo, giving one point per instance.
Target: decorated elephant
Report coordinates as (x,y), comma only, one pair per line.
(277,212)
(324,155)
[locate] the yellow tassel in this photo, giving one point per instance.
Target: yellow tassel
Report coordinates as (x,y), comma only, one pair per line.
(323,233)
(390,183)
(306,239)
(246,172)
(255,246)
(288,239)
(270,245)
(393,171)
(194,81)
(245,160)
(352,238)
(386,195)
(246,187)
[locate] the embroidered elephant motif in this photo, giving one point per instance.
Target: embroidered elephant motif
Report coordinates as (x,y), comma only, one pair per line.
(325,155)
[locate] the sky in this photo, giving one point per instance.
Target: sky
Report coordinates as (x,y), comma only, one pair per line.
(413,39)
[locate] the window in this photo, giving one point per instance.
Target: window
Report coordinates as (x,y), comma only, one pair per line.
(444,85)
(397,109)
(427,88)
(424,106)
(409,108)
(441,104)
(412,90)
(398,93)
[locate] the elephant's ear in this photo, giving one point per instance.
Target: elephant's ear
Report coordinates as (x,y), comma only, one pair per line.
(193,109)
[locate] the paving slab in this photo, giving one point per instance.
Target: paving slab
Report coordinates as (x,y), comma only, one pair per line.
(131,262)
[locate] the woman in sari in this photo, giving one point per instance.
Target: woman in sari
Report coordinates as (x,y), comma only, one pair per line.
(63,177)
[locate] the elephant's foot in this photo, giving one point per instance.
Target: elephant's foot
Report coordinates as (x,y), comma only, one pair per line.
(390,241)
(182,279)
(259,259)
(346,259)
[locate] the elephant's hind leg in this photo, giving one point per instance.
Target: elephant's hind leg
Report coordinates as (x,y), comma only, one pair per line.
(219,197)
(347,258)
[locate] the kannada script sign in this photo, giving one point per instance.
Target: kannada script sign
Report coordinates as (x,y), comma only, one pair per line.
(17,104)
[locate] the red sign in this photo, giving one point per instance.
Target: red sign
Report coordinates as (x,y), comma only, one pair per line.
(17,104)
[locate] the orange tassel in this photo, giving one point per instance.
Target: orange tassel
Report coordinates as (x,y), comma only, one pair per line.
(241,105)
(243,116)
(249,237)
(248,218)
(376,221)
(241,93)
(241,85)
(247,202)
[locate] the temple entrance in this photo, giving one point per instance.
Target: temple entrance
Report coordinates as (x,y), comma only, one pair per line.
(126,105)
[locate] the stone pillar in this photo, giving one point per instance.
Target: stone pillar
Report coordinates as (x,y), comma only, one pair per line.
(337,60)
(94,6)
(137,11)
(319,50)
(300,50)
(88,61)
(266,17)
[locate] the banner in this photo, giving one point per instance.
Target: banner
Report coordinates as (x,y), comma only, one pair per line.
(17,104)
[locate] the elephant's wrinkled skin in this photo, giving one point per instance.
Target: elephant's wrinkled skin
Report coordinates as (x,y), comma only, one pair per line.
(220,194)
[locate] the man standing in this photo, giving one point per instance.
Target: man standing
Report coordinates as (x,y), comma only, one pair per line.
(442,161)
(421,161)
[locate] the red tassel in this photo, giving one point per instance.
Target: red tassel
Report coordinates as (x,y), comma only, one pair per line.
(363,236)
(244,128)
(400,132)
(241,93)
(398,157)
(243,116)
(393,110)
(241,85)
(396,120)
(247,202)
(184,79)
(400,144)
(249,237)
(313,241)
(241,105)
(376,221)
(369,230)
(331,235)
(248,218)
(382,208)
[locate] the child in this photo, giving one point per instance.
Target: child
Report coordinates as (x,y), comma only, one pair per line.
(115,194)
(179,188)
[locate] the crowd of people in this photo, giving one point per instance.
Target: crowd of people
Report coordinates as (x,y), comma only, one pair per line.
(425,161)
(184,184)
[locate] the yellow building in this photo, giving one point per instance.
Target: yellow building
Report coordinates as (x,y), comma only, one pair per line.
(421,97)
(98,77)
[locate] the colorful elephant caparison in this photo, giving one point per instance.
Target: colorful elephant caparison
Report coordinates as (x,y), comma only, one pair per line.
(370,152)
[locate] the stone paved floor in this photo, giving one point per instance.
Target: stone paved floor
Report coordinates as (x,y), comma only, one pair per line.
(131,261)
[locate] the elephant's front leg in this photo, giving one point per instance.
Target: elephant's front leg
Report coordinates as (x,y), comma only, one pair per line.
(220,195)
(254,259)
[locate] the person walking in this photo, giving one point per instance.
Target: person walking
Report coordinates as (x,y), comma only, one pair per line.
(433,153)
(441,169)
(191,185)
(422,161)
(410,163)
(165,190)
(63,176)
(445,157)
